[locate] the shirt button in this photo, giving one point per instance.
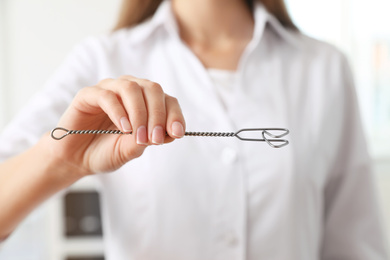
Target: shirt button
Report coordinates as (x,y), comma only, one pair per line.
(229,155)
(231,239)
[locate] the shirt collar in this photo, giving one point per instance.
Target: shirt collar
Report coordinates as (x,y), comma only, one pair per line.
(164,19)
(288,35)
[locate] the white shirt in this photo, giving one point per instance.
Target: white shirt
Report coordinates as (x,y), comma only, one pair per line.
(224,82)
(221,198)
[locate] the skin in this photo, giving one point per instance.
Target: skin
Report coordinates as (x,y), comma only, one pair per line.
(216,31)
(127,103)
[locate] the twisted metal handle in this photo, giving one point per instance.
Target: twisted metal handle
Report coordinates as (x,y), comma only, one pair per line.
(210,134)
(274,140)
(73,132)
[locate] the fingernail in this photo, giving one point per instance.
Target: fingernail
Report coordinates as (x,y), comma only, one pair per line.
(142,137)
(177,129)
(125,123)
(158,135)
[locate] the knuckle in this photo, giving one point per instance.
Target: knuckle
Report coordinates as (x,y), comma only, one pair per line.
(83,92)
(106,96)
(127,85)
(126,77)
(156,87)
(106,93)
(104,81)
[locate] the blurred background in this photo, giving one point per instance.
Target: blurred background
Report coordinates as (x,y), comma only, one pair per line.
(36,36)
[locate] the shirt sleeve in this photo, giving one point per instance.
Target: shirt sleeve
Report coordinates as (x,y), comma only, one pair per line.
(43,111)
(353,228)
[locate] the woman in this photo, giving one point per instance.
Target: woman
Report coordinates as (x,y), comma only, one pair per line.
(231,64)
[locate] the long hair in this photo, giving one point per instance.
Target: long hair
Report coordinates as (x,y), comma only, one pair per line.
(134,12)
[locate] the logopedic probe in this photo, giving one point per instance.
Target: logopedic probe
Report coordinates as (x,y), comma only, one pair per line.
(273,139)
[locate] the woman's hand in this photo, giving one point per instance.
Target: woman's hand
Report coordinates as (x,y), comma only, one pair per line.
(128,104)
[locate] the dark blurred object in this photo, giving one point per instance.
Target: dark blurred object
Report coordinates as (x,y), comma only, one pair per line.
(82,215)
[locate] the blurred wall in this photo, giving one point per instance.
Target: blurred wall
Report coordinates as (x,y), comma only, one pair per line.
(2,65)
(36,35)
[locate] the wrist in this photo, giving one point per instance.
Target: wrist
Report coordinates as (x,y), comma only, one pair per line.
(36,175)
(55,166)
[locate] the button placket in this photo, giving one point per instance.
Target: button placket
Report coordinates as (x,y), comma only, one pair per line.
(229,155)
(230,210)
(231,239)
